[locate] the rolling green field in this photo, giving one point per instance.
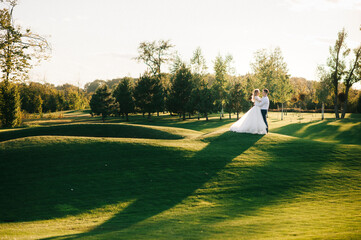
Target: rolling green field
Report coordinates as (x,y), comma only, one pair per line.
(78,178)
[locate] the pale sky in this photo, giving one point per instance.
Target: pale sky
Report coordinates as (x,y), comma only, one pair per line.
(97,39)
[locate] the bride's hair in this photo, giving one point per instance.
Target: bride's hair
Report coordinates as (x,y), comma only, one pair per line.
(255,93)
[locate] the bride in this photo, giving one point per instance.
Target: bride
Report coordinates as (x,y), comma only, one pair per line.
(252,121)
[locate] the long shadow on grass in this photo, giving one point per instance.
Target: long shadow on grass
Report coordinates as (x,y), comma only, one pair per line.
(45,181)
(173,179)
(288,168)
(325,130)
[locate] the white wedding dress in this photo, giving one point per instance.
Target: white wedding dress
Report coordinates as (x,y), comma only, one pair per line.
(251,122)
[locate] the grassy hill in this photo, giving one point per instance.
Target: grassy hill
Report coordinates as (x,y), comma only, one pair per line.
(76,178)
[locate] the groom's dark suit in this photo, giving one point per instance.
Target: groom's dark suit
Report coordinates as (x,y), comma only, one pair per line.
(264,115)
(264,105)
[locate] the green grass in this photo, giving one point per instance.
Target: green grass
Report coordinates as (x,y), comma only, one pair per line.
(171,179)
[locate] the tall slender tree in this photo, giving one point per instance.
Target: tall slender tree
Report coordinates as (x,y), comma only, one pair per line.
(336,64)
(198,62)
(353,75)
(222,68)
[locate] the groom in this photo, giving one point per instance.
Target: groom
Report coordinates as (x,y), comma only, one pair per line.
(264,105)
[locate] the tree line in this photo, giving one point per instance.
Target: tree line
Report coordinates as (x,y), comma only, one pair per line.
(187,89)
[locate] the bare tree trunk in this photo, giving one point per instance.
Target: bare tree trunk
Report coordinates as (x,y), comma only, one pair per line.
(282,112)
(323,110)
(206,116)
(335,102)
(126,117)
(149,115)
(345,103)
(157,114)
(198,115)
(237,115)
(230,116)
(189,115)
(184,115)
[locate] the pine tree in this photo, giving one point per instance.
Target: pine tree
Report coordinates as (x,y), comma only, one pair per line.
(180,91)
(202,99)
(9,105)
(102,102)
(207,99)
(123,94)
(149,94)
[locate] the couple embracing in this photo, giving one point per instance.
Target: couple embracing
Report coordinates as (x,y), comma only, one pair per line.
(254,121)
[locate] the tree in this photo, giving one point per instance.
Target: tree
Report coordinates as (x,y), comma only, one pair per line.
(123,94)
(202,99)
(38,104)
(180,92)
(322,90)
(102,102)
(149,94)
(237,98)
(336,65)
(9,105)
(92,86)
(198,62)
(222,68)
(353,75)
(176,64)
(154,54)
(271,72)
(359,104)
(17,49)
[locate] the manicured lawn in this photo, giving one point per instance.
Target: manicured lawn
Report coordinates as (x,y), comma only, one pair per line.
(76,178)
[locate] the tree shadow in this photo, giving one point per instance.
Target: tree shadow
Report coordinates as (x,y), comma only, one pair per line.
(183,175)
(344,131)
(282,174)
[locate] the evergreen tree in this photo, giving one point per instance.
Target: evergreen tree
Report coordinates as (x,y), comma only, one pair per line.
(123,94)
(9,105)
(180,92)
(102,102)
(149,94)
(206,103)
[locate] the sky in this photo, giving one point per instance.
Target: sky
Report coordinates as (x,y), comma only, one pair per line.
(98,39)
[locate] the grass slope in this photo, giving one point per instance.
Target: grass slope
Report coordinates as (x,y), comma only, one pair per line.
(220,185)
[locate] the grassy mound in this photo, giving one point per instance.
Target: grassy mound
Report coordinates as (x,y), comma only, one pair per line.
(96,130)
(226,186)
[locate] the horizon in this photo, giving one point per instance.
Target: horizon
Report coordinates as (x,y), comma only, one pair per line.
(86,48)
